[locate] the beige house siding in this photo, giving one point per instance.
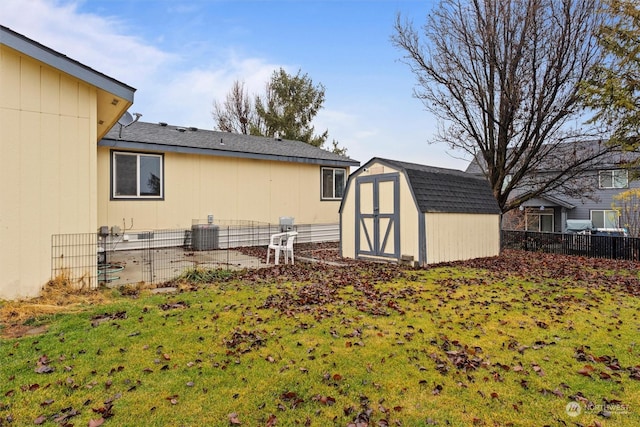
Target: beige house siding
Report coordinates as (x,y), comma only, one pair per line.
(455,236)
(46,182)
(52,112)
(229,188)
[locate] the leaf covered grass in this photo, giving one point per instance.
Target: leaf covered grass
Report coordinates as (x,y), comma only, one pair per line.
(503,341)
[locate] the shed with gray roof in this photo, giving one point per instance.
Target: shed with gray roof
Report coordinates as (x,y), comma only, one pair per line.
(406,212)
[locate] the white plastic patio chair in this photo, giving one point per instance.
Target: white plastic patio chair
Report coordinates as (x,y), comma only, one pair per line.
(288,249)
(276,243)
(281,242)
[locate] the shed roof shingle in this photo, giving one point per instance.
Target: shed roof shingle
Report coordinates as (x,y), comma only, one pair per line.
(447,190)
(159,137)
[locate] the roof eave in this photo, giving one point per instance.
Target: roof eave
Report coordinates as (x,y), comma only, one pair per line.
(65,64)
(164,148)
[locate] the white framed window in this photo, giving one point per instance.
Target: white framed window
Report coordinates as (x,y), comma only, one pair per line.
(136,175)
(333,183)
(615,178)
(537,221)
(604,218)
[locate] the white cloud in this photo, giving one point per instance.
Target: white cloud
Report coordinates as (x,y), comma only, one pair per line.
(179,86)
(172,86)
(186,96)
(96,41)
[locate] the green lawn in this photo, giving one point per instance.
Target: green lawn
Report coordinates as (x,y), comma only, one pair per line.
(510,341)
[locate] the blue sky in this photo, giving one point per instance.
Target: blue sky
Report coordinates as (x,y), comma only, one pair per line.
(183,55)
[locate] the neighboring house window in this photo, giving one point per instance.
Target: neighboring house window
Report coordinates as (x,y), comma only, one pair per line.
(538,221)
(137,175)
(604,218)
(616,178)
(507,181)
(333,182)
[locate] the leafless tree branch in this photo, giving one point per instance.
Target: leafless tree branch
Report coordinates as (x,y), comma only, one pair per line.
(503,78)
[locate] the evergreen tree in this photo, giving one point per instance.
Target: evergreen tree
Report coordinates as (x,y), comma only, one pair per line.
(285,111)
(288,107)
(613,90)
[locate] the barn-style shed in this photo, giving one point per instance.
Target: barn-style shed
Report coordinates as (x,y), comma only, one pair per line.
(406,212)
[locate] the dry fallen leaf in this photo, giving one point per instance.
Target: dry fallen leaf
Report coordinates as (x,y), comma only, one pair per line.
(96,423)
(233,419)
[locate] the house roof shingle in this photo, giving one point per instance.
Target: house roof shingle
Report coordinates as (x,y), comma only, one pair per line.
(447,190)
(557,155)
(168,138)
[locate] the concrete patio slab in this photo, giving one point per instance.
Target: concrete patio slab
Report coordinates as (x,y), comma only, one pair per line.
(162,265)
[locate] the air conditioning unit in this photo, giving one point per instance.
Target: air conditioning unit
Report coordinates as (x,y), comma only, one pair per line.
(286,223)
(205,237)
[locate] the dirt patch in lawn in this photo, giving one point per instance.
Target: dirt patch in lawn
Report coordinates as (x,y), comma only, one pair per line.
(19,331)
(28,317)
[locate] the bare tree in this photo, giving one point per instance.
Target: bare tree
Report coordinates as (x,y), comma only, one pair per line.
(286,110)
(503,78)
(235,114)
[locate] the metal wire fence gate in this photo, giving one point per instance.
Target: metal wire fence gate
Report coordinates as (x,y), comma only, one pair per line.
(169,253)
(74,259)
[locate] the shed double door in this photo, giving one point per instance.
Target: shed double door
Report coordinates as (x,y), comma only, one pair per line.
(377,230)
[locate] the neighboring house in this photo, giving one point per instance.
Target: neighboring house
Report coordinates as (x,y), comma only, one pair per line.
(64,174)
(53,112)
(596,187)
(154,176)
(405,212)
